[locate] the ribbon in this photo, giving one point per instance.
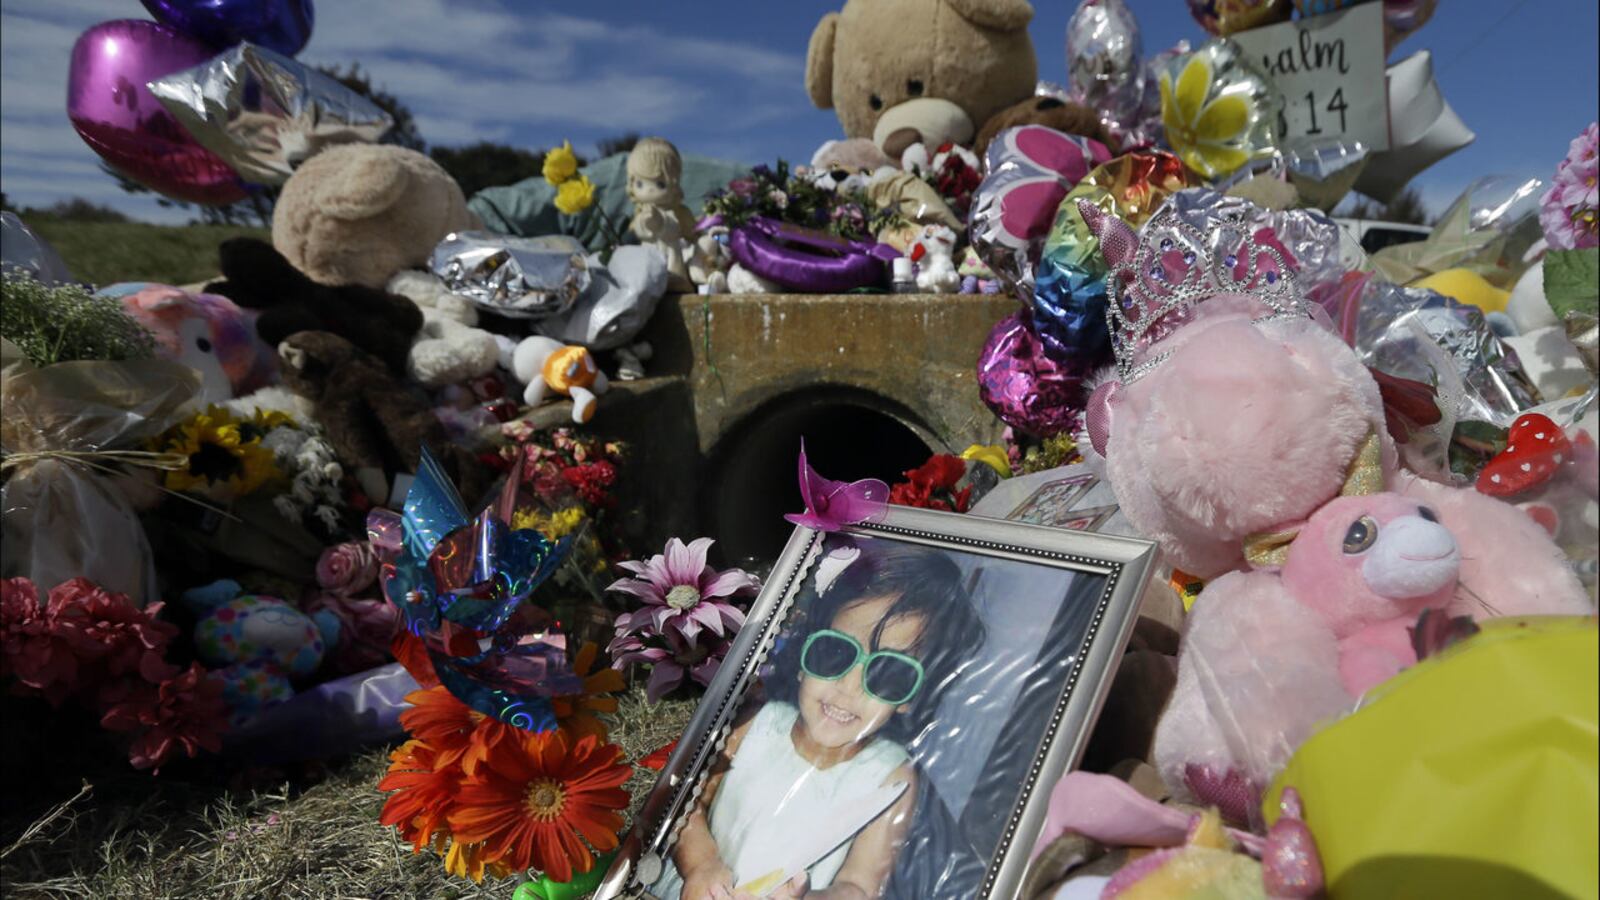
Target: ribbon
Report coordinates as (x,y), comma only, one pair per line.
(101,461)
(1270,549)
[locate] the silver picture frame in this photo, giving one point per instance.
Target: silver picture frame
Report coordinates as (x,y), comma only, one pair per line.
(1126,565)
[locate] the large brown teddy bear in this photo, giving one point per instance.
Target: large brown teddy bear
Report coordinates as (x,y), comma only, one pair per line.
(907,71)
(359,213)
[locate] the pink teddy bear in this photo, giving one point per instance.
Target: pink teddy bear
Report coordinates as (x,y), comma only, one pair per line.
(1244,416)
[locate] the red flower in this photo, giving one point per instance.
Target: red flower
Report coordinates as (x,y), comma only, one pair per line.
(122,637)
(39,645)
(423,793)
(183,711)
(533,798)
(590,480)
(456,731)
(932,485)
(941,471)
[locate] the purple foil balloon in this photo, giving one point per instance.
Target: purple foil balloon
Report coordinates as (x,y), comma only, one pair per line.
(1025,388)
(280,25)
(118,117)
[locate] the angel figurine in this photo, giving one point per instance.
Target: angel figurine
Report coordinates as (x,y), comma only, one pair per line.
(659,217)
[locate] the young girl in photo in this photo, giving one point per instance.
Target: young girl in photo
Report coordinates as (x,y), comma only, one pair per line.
(815,793)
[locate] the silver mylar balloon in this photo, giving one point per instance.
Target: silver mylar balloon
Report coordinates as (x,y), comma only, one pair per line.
(1105,57)
(1324,170)
(524,278)
(265,113)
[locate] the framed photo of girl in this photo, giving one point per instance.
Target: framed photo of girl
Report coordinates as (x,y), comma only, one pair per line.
(893,715)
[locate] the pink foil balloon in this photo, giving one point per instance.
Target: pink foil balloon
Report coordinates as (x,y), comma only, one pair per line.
(118,117)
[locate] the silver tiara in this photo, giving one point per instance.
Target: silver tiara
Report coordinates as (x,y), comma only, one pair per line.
(1158,276)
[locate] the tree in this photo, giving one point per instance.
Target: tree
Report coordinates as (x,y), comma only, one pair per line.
(614,145)
(404,131)
(486,164)
(1406,208)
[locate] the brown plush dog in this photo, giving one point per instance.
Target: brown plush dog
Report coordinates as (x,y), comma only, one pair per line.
(907,71)
(376,423)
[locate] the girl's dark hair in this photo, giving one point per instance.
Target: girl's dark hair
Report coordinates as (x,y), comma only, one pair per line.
(924,582)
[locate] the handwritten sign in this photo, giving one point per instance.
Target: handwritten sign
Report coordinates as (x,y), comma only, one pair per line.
(1330,71)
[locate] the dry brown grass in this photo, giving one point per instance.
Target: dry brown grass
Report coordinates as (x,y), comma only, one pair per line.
(313,835)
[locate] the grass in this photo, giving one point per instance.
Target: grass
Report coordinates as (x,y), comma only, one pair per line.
(102,253)
(311,832)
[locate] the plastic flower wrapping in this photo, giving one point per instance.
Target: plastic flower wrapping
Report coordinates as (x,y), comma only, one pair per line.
(451,574)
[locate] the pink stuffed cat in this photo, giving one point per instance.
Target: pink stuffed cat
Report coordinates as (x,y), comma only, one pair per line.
(1270,654)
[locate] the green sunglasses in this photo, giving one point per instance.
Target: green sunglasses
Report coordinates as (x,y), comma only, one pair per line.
(889,677)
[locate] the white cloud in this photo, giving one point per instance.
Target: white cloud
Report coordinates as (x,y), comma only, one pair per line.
(469,70)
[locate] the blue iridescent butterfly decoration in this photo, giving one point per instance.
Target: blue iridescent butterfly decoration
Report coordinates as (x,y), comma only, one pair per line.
(450,573)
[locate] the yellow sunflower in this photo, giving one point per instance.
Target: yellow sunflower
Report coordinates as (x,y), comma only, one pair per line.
(1208,136)
(222,458)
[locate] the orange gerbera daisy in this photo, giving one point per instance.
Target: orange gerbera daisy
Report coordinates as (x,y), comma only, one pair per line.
(576,712)
(533,798)
(423,793)
(457,731)
(466,860)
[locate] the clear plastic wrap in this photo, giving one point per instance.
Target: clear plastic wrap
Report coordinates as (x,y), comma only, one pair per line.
(892,730)
(65,429)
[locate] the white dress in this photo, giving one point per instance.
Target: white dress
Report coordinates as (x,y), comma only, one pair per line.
(771,794)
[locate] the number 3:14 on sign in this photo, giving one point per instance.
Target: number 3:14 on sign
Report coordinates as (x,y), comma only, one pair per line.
(1329,71)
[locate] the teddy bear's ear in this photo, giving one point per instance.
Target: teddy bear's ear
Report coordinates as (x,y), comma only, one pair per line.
(365,189)
(819,62)
(1002,15)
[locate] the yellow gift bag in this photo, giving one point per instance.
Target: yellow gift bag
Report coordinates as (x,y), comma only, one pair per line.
(1473,774)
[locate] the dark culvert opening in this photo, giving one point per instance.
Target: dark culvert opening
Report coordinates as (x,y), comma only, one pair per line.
(753,477)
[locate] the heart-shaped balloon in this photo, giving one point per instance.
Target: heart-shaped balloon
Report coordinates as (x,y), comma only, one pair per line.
(281,25)
(117,116)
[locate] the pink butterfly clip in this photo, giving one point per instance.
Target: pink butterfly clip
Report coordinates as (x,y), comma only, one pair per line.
(831,505)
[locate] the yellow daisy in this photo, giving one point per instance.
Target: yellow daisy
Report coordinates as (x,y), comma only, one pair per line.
(1208,136)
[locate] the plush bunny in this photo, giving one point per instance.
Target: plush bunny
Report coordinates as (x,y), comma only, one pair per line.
(933,252)
(1231,417)
(546,365)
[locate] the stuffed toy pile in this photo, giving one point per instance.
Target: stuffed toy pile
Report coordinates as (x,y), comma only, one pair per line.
(1251,443)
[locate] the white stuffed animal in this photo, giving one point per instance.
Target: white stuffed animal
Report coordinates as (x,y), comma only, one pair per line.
(933,251)
(547,365)
(448,349)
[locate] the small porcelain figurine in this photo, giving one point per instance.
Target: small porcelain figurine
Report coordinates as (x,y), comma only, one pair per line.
(659,217)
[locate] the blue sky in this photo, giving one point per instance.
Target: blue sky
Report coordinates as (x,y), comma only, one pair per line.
(725,77)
